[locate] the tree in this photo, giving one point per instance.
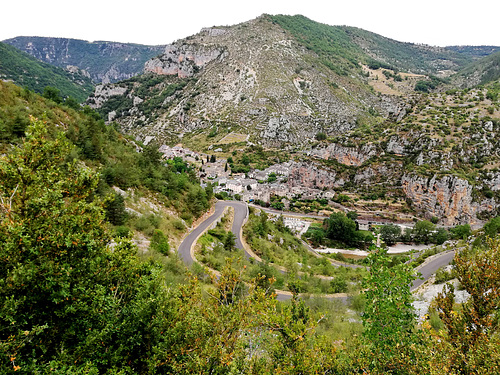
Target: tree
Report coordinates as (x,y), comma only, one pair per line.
(317,236)
(470,342)
(423,231)
(245,160)
(159,242)
(339,227)
(53,94)
(389,318)
(50,236)
(320,136)
(353,215)
(390,233)
(461,232)
(72,103)
(272,177)
(407,235)
(115,209)
(492,227)
(440,236)
(230,241)
(62,290)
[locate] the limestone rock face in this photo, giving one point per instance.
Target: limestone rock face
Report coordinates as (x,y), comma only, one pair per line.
(278,131)
(449,198)
(346,155)
(103,93)
(310,176)
(184,60)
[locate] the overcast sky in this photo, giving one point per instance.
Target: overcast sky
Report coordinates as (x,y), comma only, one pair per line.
(434,22)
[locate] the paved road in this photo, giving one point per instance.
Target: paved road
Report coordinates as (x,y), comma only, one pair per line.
(240,214)
(429,269)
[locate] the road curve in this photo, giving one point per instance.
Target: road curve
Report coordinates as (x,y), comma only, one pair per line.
(429,269)
(241,213)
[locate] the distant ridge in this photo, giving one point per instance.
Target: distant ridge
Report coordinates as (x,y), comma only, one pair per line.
(103,61)
(26,71)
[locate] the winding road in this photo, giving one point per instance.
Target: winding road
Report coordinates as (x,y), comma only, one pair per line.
(240,215)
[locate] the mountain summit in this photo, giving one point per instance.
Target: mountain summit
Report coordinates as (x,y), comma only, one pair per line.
(279,79)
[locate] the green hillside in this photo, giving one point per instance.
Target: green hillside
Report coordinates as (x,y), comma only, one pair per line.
(345,46)
(26,71)
(482,71)
(103,61)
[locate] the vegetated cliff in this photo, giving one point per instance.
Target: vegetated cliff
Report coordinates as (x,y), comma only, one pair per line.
(101,61)
(28,72)
(442,157)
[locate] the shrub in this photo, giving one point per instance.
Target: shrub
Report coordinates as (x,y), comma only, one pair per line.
(159,242)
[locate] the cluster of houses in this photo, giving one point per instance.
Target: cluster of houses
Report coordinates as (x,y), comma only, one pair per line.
(252,186)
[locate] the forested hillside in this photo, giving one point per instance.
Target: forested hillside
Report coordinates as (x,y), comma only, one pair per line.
(26,71)
(101,61)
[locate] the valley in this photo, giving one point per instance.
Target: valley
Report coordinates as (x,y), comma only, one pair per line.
(187,207)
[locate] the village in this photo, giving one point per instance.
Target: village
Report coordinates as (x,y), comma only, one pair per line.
(254,186)
(268,187)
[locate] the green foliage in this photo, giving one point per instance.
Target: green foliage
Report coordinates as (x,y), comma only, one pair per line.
(461,232)
(53,94)
(443,276)
(390,233)
(159,242)
(230,241)
(389,318)
(26,71)
(339,227)
(492,227)
(440,236)
(332,44)
(321,136)
(115,209)
(423,231)
(469,342)
(61,287)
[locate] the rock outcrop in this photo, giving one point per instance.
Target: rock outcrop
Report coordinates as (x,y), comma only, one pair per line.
(346,155)
(449,198)
(184,60)
(311,176)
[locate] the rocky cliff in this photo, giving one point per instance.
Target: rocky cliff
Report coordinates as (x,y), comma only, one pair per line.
(256,78)
(102,61)
(449,198)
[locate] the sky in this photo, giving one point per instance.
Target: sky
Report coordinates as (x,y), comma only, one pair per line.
(433,22)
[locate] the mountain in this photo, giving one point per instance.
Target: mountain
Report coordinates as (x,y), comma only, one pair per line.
(480,72)
(102,61)
(281,82)
(26,71)
(255,78)
(278,79)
